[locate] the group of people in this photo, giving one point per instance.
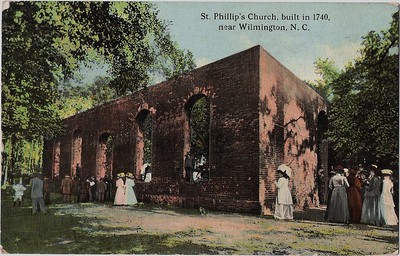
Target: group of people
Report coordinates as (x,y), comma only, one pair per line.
(195,170)
(125,193)
(86,190)
(361,196)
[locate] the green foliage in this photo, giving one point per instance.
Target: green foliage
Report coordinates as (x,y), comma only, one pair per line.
(329,72)
(45,42)
(147,134)
(364,113)
(27,71)
(126,35)
(78,98)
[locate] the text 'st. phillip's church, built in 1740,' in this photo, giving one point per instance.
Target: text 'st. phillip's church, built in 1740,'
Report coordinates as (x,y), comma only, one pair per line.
(258,116)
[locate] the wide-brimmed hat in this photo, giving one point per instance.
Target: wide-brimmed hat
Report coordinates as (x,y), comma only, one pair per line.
(373,168)
(121,175)
(386,172)
(285,169)
(129,175)
(338,169)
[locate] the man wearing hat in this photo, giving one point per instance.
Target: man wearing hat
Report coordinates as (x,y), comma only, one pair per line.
(66,188)
(386,202)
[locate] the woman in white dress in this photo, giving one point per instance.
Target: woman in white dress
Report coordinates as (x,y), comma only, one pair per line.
(130,193)
(284,202)
(386,203)
(120,193)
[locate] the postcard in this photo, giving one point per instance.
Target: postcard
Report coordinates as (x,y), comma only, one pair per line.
(198,127)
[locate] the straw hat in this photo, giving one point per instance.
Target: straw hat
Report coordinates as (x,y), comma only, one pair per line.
(129,175)
(121,175)
(373,168)
(386,172)
(285,169)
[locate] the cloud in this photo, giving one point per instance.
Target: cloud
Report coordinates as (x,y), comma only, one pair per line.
(341,55)
(245,42)
(202,61)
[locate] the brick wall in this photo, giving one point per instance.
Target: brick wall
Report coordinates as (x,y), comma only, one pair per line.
(288,131)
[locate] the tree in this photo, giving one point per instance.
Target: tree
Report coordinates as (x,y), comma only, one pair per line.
(75,98)
(329,72)
(364,113)
(199,129)
(44,42)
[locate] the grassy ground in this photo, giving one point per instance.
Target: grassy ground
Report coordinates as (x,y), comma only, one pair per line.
(91,228)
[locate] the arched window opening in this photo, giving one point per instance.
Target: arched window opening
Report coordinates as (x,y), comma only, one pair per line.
(76,153)
(197,138)
(144,145)
(55,172)
(104,160)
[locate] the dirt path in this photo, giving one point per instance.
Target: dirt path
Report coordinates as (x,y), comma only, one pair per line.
(240,234)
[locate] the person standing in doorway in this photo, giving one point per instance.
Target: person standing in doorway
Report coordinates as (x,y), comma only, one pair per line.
(189,166)
(78,171)
(284,201)
(36,185)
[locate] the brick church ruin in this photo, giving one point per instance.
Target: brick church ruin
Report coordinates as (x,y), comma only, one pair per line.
(259,115)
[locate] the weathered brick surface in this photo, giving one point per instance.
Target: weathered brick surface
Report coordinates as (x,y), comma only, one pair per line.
(253,102)
(288,130)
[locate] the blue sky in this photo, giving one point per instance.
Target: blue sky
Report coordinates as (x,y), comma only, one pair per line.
(337,39)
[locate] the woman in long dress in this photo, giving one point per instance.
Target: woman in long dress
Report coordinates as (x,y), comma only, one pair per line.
(386,202)
(284,202)
(354,196)
(130,193)
(120,193)
(370,210)
(338,210)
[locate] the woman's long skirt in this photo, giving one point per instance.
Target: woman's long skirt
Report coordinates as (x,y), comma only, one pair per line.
(120,196)
(371,212)
(338,210)
(283,211)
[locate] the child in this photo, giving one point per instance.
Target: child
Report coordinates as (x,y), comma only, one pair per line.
(284,202)
(386,203)
(19,192)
